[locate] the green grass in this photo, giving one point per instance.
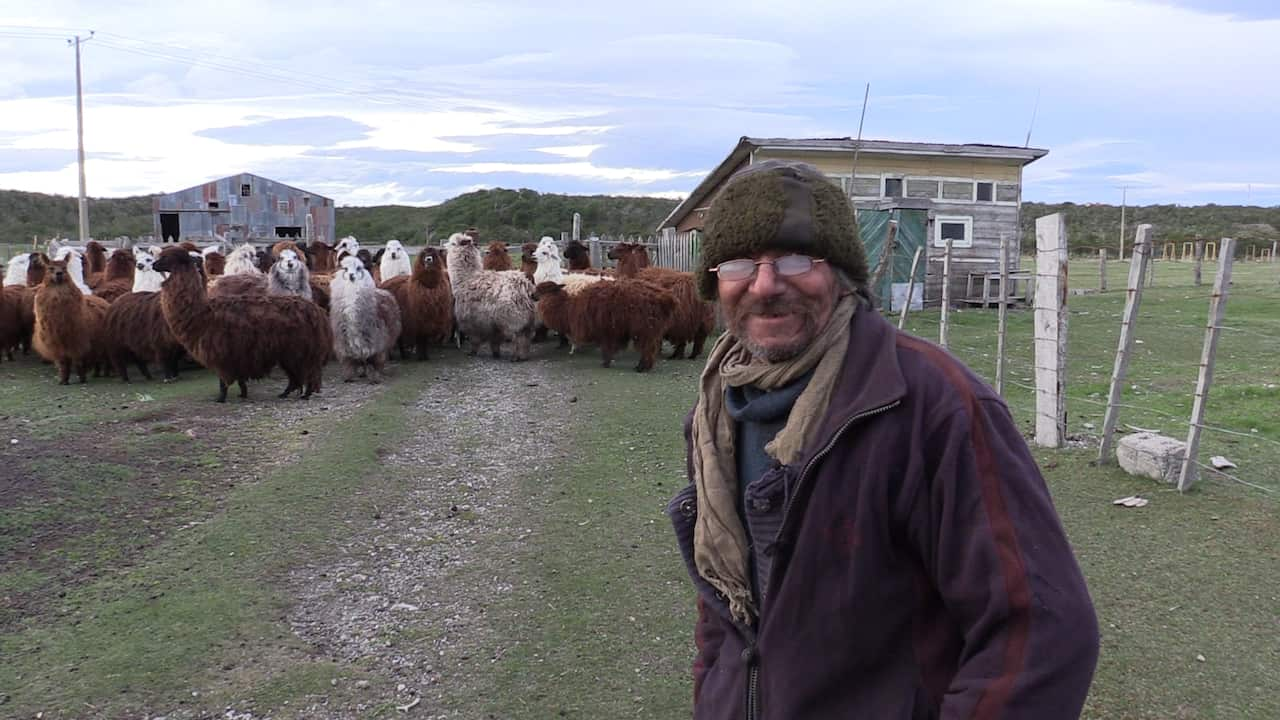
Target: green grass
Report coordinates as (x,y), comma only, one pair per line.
(146,635)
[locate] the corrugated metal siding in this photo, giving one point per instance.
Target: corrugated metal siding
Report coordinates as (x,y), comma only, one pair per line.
(271,204)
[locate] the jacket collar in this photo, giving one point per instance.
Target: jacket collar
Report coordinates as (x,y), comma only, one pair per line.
(870,379)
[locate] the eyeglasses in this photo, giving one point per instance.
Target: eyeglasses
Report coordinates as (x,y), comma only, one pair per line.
(786,266)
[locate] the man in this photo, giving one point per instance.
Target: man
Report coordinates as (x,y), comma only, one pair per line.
(867,530)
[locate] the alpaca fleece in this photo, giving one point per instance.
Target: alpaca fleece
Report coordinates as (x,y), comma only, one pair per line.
(68,324)
(425,300)
(242,261)
(394,262)
(13,331)
(15,273)
(496,257)
(136,332)
(694,318)
(238,285)
(117,279)
(492,307)
(242,337)
(365,321)
(611,315)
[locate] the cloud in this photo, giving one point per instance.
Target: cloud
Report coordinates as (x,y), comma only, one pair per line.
(316,130)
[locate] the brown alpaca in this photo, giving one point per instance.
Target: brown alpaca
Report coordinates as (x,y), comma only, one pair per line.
(95,263)
(579,258)
(694,318)
(35,271)
(286,245)
(235,285)
(497,257)
(13,331)
(611,315)
(117,279)
(189,246)
(242,337)
(68,324)
(528,263)
(425,299)
(215,263)
(323,257)
(136,332)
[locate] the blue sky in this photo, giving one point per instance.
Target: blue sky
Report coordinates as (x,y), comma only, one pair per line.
(381,102)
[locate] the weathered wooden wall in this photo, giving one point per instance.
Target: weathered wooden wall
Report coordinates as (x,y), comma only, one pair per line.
(270,204)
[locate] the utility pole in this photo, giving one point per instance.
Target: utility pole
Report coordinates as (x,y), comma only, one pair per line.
(84,201)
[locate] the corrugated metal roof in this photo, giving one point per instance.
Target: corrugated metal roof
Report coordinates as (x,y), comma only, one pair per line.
(257,177)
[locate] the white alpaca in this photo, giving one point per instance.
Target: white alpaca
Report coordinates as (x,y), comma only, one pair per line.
(549,270)
(395,261)
(75,267)
(16,271)
(365,320)
(490,306)
(146,279)
(348,245)
(242,261)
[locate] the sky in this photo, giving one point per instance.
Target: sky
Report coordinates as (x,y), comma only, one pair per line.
(380,102)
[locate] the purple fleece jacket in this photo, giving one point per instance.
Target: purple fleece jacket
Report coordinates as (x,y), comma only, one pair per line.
(918,568)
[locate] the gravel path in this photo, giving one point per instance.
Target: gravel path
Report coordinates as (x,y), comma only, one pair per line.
(405,599)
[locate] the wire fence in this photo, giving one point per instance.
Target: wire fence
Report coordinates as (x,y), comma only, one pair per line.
(1242,420)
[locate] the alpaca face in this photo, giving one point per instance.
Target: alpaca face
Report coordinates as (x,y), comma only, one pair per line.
(395,250)
(546,254)
(144,263)
(57,272)
(289,262)
(354,272)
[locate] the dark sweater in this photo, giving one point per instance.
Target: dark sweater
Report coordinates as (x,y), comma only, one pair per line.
(760,415)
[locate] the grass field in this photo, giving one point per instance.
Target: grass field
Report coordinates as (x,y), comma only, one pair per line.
(151,541)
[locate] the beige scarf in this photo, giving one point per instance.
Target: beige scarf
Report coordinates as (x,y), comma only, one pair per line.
(719,539)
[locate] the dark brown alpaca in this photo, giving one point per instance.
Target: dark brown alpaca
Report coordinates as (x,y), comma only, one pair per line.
(694,318)
(13,332)
(68,324)
(215,263)
(497,257)
(117,279)
(610,315)
(242,337)
(136,332)
(95,263)
(426,303)
(528,263)
(579,258)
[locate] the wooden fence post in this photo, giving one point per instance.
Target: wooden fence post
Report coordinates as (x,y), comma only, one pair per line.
(1195,270)
(1051,330)
(911,288)
(1002,313)
(1102,269)
(1273,250)
(945,328)
(1217,310)
(1151,268)
(577,226)
(1133,300)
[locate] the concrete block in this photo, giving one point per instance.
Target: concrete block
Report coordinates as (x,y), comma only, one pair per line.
(1150,455)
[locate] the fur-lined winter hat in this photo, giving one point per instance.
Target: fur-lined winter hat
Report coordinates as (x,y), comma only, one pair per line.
(779,205)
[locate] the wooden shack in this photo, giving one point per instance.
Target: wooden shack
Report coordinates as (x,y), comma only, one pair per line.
(927,192)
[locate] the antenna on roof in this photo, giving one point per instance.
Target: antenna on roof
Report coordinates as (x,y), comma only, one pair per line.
(1034,109)
(857,145)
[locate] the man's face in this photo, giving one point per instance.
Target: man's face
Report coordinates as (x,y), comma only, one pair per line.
(776,316)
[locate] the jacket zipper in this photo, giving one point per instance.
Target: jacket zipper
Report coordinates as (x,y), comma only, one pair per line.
(749,654)
(804,472)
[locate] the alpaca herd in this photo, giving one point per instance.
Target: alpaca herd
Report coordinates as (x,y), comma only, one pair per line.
(297,306)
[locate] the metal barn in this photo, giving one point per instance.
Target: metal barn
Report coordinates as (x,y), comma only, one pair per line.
(243,207)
